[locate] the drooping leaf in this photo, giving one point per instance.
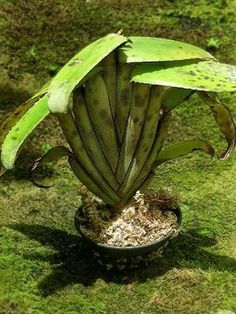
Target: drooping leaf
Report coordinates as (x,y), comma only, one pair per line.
(224,120)
(53,154)
(19,112)
(77,68)
(182,149)
(151,49)
(202,75)
(173,96)
(21,130)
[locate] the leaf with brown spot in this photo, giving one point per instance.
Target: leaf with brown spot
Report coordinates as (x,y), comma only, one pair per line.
(72,74)
(14,137)
(179,74)
(16,115)
(151,49)
(97,101)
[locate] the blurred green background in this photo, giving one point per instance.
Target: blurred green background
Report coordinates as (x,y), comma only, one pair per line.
(43,267)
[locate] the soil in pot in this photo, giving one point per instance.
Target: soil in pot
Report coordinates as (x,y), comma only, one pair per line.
(147,218)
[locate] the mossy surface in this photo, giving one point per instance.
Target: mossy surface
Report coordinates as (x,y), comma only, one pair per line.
(44,268)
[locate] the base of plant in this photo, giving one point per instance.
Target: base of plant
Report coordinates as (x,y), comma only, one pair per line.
(130,236)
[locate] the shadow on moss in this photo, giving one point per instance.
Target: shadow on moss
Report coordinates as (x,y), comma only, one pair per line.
(74,263)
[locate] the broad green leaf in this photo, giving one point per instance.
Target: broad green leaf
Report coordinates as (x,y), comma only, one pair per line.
(53,154)
(182,149)
(151,49)
(173,96)
(77,68)
(202,75)
(21,130)
(224,120)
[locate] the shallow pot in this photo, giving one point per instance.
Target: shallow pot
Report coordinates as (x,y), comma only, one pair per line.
(123,256)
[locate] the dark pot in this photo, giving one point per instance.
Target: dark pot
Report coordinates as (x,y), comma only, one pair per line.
(130,255)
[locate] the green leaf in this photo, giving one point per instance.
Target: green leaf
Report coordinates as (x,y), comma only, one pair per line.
(15,116)
(173,96)
(19,112)
(22,129)
(182,149)
(77,68)
(151,49)
(53,154)
(202,75)
(224,120)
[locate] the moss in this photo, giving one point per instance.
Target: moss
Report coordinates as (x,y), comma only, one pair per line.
(44,268)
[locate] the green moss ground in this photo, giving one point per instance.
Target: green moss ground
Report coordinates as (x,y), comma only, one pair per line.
(44,268)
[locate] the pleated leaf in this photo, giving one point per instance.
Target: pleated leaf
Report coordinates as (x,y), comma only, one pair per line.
(161,135)
(202,75)
(77,146)
(88,136)
(89,182)
(151,49)
(224,120)
(77,68)
(22,128)
(182,149)
(99,109)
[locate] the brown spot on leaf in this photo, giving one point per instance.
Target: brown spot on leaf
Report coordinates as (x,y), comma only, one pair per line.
(109,122)
(77,61)
(149,117)
(150,135)
(192,73)
(138,100)
(124,97)
(201,86)
(74,133)
(103,113)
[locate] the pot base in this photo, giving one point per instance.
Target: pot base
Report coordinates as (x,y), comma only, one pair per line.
(127,263)
(123,258)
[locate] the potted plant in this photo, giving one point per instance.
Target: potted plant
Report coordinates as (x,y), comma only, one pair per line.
(114,101)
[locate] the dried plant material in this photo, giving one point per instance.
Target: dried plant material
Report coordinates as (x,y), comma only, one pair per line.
(147,219)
